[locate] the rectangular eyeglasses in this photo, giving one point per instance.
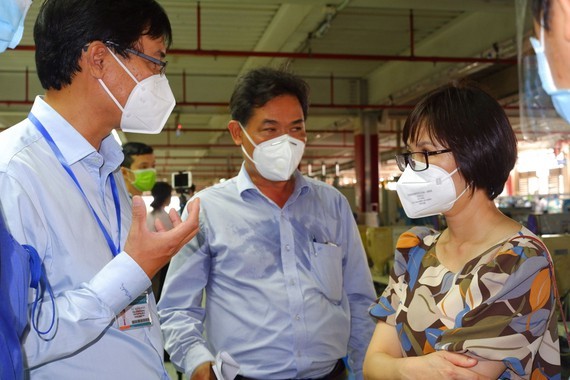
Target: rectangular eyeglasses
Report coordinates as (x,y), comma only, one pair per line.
(158,62)
(418,161)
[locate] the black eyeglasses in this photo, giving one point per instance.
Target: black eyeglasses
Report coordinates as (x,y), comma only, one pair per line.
(418,161)
(158,62)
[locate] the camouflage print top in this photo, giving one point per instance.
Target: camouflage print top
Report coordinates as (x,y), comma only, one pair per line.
(499,307)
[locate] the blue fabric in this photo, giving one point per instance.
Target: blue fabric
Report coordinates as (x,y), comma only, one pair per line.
(14,282)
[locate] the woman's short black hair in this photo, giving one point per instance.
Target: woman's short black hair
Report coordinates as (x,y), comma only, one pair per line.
(255,88)
(161,191)
(464,118)
(64,27)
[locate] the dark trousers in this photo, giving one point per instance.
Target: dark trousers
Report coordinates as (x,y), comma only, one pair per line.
(338,373)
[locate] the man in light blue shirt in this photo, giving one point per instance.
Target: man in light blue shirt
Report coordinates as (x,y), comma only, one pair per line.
(286,281)
(62,192)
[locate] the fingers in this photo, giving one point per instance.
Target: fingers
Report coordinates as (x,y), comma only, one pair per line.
(459,359)
(174,217)
(183,232)
(158,225)
(139,211)
(194,204)
(193,209)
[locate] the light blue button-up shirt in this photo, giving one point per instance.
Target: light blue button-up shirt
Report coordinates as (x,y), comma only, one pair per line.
(287,289)
(44,208)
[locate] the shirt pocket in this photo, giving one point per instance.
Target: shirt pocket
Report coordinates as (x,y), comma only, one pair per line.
(326,265)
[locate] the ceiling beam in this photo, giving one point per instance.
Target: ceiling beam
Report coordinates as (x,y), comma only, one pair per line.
(462,37)
(502,6)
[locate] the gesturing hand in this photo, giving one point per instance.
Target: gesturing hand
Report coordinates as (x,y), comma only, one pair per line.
(153,250)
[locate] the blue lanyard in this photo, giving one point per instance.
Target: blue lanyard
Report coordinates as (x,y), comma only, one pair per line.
(114,249)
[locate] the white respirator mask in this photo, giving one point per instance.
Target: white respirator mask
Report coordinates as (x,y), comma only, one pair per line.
(428,192)
(276,159)
(149,104)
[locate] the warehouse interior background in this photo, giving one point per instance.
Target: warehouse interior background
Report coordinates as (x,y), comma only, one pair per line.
(367,63)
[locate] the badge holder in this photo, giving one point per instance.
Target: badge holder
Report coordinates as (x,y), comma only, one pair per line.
(136,315)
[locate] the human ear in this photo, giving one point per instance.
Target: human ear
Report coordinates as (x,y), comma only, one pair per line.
(94,58)
(235,131)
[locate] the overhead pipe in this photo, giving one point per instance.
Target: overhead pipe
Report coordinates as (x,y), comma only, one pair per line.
(323,56)
(206,171)
(198,26)
(27,84)
(412,33)
(226,146)
(170,164)
(332,56)
(332,88)
(329,56)
(308,130)
(313,105)
(184,85)
(225,104)
(213,157)
(231,146)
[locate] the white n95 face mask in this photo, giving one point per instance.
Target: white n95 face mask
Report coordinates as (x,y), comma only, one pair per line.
(276,159)
(149,104)
(560,97)
(426,193)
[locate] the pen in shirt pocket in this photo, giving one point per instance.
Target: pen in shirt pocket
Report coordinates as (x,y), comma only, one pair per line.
(314,239)
(312,242)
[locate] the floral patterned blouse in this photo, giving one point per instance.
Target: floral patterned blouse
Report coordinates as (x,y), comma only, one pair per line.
(499,307)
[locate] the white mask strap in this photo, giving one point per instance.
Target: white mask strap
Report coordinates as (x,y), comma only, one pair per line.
(250,140)
(111,95)
(246,135)
(457,198)
(463,192)
(123,66)
(247,155)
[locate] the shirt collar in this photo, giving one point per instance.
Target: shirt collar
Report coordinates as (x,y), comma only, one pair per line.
(244,183)
(73,146)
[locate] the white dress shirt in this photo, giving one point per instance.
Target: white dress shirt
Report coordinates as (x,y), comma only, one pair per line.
(45,209)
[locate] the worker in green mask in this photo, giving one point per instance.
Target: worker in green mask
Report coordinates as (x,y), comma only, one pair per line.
(138,167)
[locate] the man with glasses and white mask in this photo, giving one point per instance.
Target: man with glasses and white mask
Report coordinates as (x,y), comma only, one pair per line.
(286,280)
(101,64)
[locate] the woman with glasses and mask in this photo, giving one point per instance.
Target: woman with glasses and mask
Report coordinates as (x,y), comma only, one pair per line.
(477,299)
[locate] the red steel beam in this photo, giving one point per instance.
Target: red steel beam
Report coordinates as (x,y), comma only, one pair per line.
(324,56)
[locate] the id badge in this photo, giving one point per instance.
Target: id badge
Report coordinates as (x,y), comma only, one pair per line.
(137,314)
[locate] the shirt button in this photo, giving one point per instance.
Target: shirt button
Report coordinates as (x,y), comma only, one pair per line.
(287,247)
(291,282)
(298,317)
